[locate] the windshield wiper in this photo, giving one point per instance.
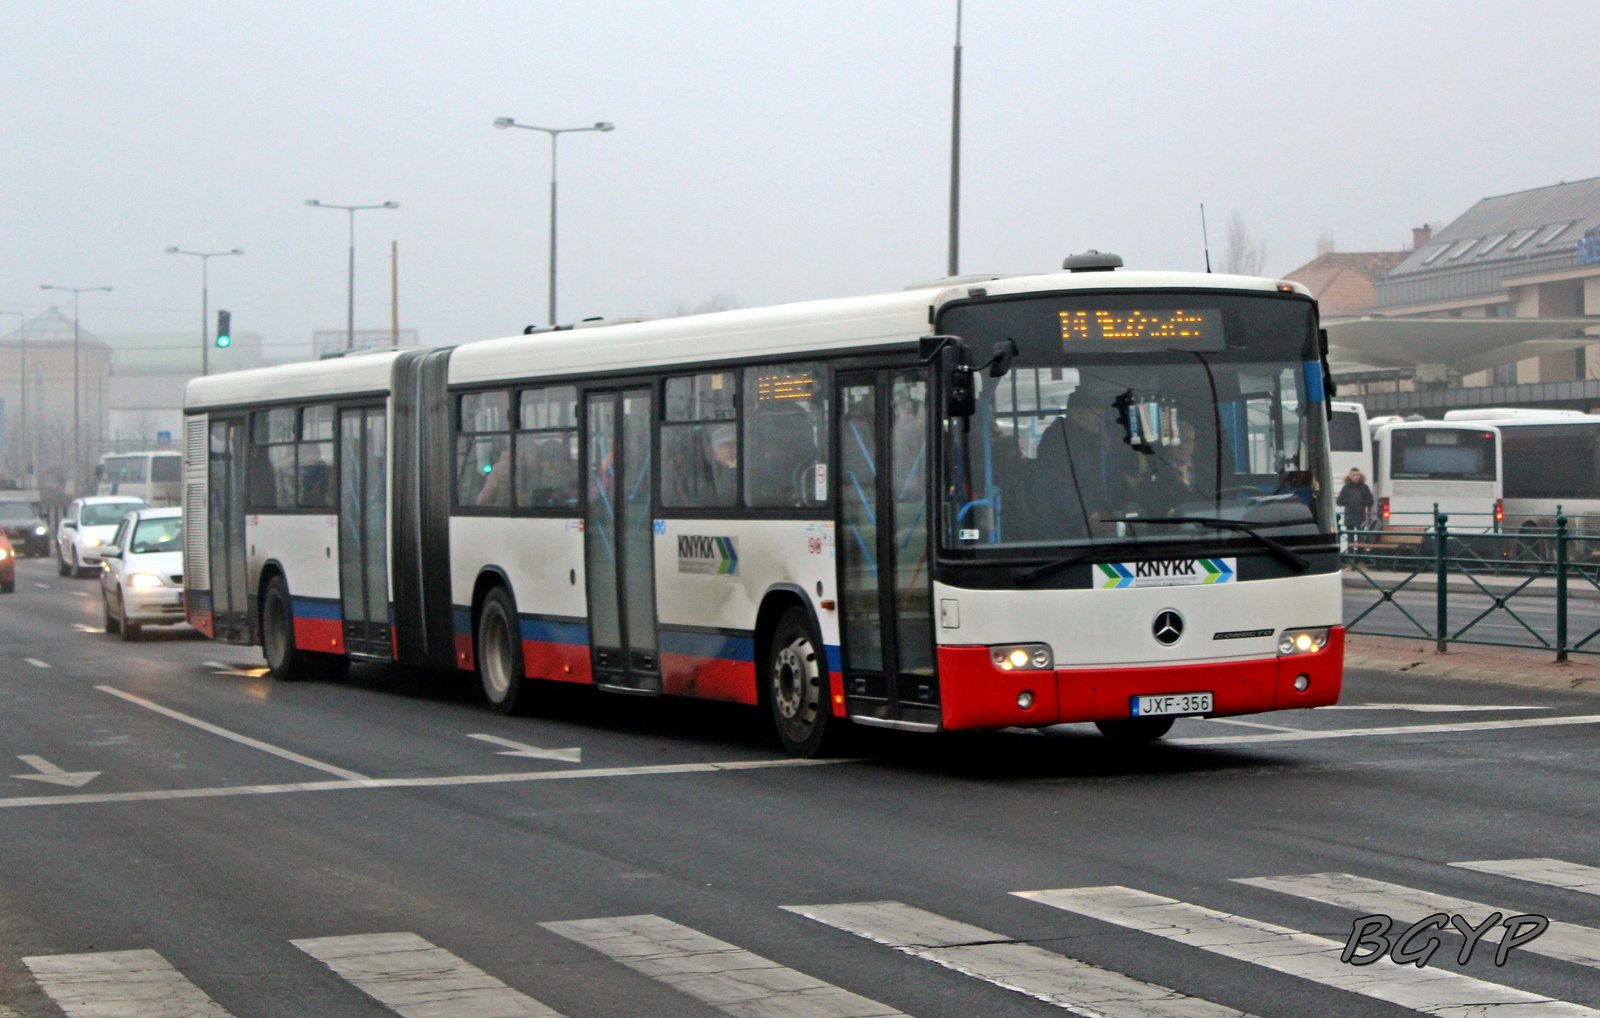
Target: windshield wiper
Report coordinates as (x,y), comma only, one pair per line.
(1293,558)
(1029,575)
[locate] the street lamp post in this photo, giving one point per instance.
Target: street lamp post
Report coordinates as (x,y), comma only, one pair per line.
(554,133)
(205,299)
(953,255)
(77,439)
(22,375)
(350,310)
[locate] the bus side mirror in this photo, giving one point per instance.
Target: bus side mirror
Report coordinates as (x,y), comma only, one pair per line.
(1000,361)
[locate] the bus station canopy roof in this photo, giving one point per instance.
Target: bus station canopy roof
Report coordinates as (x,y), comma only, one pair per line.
(1462,344)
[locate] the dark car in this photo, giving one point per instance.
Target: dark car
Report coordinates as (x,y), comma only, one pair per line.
(29,533)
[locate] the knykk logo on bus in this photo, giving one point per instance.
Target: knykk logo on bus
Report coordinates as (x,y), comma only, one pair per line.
(1181,572)
(717,556)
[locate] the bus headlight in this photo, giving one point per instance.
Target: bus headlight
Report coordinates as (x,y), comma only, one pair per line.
(1302,641)
(1027,657)
(144,581)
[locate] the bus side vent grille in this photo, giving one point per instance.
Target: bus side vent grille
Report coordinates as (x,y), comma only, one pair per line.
(196,522)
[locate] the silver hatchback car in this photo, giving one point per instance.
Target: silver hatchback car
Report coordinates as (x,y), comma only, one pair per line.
(141,580)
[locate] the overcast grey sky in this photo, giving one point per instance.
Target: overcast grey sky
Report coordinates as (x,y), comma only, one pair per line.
(768,151)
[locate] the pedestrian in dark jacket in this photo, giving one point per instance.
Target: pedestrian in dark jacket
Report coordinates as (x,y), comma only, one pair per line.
(1357,500)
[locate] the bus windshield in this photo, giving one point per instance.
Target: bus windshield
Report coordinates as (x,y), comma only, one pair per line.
(1136,406)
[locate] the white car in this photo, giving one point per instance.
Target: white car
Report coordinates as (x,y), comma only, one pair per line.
(86,528)
(141,581)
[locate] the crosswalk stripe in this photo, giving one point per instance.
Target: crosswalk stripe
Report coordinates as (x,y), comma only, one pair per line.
(1434,991)
(1053,978)
(728,978)
(1570,876)
(1565,941)
(120,984)
(415,979)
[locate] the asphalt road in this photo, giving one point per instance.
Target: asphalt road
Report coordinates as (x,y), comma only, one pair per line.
(240,849)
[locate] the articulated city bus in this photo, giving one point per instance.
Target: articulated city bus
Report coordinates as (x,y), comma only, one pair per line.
(1086,496)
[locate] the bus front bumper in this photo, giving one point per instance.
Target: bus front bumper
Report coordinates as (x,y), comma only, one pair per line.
(976,694)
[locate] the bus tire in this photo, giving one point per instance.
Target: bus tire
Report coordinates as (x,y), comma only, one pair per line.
(796,678)
(285,661)
(1135,729)
(499,654)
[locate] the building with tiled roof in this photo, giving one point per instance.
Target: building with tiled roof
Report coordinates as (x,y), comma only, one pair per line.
(1343,282)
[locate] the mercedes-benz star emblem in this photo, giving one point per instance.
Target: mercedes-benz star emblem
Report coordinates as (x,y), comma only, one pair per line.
(1168,628)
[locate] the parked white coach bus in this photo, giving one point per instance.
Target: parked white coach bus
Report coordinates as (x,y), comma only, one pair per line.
(1126,518)
(1551,460)
(1452,464)
(1349,443)
(155,477)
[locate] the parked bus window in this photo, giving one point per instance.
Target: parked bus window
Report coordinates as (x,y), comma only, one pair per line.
(483,450)
(1442,455)
(1344,432)
(315,488)
(700,442)
(547,448)
(786,433)
(272,459)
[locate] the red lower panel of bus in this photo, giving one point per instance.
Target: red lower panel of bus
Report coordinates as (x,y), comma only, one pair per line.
(976,694)
(708,678)
(558,662)
(201,620)
(326,635)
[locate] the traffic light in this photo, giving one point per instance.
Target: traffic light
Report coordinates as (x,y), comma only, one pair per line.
(224,328)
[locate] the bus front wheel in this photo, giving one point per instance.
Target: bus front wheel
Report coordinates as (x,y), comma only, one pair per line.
(797,685)
(1135,729)
(499,652)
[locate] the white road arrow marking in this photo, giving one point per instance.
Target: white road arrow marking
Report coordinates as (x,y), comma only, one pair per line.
(49,772)
(79,593)
(218,668)
(1430,708)
(36,662)
(570,755)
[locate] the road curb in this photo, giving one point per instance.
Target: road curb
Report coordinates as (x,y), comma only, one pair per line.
(1533,672)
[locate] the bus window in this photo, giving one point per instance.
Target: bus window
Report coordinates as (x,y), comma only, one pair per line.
(786,436)
(272,467)
(166,469)
(700,442)
(547,448)
(315,469)
(1344,432)
(125,470)
(483,450)
(1429,454)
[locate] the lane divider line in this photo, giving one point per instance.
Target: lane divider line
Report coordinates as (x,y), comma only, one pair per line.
(428,782)
(243,740)
(36,662)
(1310,735)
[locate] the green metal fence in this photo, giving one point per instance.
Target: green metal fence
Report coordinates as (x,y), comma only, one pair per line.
(1476,583)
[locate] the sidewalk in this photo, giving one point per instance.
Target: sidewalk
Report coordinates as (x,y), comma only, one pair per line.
(1507,665)
(1578,588)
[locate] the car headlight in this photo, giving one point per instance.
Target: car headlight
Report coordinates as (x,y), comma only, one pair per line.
(91,542)
(1032,657)
(1302,641)
(144,580)
(39,531)
(4,554)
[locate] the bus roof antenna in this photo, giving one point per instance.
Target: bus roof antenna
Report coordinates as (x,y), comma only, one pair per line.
(1205,238)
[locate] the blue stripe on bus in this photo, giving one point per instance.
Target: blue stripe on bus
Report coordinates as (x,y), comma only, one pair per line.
(575,634)
(461,621)
(835,662)
(308,608)
(708,645)
(1313,381)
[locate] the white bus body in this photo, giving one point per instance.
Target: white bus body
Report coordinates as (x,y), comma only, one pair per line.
(155,477)
(1450,464)
(403,502)
(1349,442)
(1551,465)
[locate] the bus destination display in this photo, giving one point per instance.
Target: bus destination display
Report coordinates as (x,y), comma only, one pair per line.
(1177,329)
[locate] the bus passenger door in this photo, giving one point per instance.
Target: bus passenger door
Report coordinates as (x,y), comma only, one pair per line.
(884,551)
(364,531)
(230,588)
(619,541)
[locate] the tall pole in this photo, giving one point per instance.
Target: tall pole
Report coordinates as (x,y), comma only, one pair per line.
(350,303)
(394,294)
(554,133)
(77,428)
(553,136)
(954,266)
(205,298)
(22,375)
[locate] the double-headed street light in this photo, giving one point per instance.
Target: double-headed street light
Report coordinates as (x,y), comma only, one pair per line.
(350,313)
(205,298)
(77,438)
(554,133)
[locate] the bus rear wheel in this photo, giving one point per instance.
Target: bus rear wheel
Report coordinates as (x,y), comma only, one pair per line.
(1135,729)
(285,661)
(797,686)
(499,653)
